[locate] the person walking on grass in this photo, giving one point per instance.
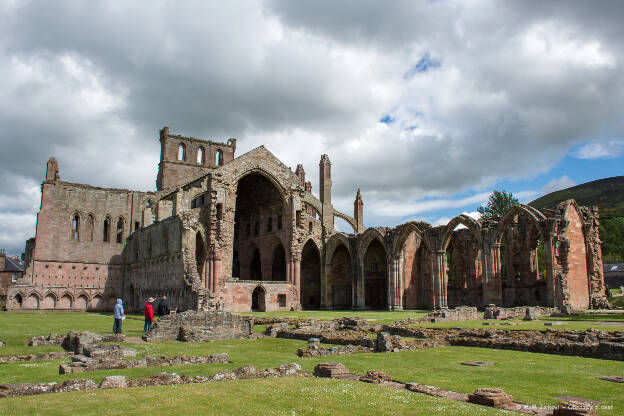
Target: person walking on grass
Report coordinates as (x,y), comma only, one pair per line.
(118,312)
(163,307)
(149,315)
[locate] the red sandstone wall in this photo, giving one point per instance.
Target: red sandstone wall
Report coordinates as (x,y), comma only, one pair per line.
(237,297)
(577,262)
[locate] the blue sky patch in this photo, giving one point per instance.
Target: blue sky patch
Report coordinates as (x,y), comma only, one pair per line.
(423,65)
(387,119)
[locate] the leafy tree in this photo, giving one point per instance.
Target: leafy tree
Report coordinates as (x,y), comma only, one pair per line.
(499,203)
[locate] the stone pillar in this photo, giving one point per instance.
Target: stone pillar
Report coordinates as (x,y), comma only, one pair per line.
(492,288)
(439,280)
(297,274)
(359,299)
(289,266)
(324,287)
(217,273)
(395,288)
(553,298)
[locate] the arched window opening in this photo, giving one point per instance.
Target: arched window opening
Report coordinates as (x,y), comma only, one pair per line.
(106,230)
(269,226)
(200,156)
(182,152)
(310,286)
(340,281)
(90,227)
(75,227)
(219,157)
(279,221)
(120,229)
(256,228)
(375,284)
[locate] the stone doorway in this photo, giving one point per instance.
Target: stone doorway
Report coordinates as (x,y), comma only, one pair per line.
(258,299)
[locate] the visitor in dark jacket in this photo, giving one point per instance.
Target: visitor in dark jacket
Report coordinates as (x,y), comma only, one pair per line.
(118,312)
(149,315)
(163,307)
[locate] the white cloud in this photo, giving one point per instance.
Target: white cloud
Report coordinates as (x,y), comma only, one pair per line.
(607,150)
(558,184)
(388,209)
(516,88)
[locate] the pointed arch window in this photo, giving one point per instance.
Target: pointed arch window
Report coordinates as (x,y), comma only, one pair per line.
(120,230)
(106,230)
(200,155)
(75,227)
(182,152)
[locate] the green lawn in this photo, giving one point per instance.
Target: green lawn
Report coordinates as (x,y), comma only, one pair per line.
(374,317)
(530,378)
(281,396)
(17,328)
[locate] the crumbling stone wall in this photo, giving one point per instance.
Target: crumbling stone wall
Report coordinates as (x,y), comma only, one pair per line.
(202,228)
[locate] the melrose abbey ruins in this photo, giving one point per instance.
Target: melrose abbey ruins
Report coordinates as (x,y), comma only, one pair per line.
(246,233)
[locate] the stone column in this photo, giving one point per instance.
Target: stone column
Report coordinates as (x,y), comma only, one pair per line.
(358,286)
(552,297)
(493,284)
(394,284)
(297,274)
(439,280)
(289,270)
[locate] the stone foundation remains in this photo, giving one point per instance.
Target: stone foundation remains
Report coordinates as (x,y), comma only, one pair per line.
(28,389)
(81,363)
(494,312)
(193,326)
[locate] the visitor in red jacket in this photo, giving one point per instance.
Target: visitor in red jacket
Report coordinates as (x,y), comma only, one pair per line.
(149,315)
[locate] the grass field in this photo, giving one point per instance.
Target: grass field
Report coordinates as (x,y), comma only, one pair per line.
(530,378)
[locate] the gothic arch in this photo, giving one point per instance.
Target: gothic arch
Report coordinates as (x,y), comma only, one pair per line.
(367,237)
(405,230)
(281,188)
(333,243)
(536,217)
(473,225)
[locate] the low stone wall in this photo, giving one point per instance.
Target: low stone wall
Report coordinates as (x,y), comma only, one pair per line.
(494,312)
(460,313)
(328,337)
(81,363)
(34,357)
(320,351)
(247,372)
(590,343)
(200,326)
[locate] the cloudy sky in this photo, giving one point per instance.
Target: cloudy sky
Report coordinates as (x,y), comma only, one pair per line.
(425,105)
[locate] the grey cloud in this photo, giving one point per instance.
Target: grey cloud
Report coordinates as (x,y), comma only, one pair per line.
(91,83)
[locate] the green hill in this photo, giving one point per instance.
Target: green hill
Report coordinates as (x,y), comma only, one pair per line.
(607,194)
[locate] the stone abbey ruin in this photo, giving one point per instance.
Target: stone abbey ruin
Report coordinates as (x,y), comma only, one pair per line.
(246,233)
